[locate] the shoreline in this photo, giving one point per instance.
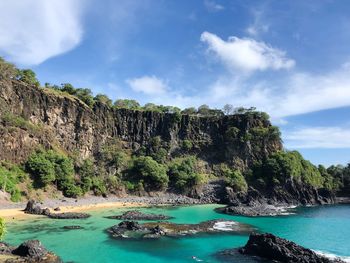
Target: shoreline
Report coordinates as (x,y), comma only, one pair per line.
(13,211)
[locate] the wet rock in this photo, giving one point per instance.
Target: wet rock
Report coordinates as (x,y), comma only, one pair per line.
(34,208)
(5,248)
(278,249)
(72,227)
(131,229)
(137,215)
(68,215)
(32,249)
(253,211)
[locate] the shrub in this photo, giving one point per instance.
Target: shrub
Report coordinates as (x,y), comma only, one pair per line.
(127,104)
(28,76)
(2,228)
(182,173)
(153,174)
(187,145)
(104,99)
(10,176)
(7,70)
(235,179)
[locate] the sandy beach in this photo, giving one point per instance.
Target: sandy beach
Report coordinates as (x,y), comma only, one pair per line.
(13,211)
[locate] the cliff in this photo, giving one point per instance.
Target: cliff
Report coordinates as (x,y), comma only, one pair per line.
(52,119)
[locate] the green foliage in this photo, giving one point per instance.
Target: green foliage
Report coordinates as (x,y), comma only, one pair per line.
(182,173)
(127,104)
(28,76)
(104,99)
(85,95)
(146,170)
(7,70)
(189,111)
(203,110)
(11,120)
(2,228)
(47,167)
(10,177)
(330,182)
(285,165)
(187,145)
(235,179)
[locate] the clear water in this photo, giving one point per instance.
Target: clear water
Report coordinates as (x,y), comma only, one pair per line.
(325,229)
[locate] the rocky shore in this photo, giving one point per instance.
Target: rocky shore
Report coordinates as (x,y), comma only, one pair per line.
(272,248)
(28,252)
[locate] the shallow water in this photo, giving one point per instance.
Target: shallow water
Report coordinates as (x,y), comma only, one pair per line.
(325,229)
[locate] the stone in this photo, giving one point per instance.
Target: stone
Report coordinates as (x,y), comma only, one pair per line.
(137,215)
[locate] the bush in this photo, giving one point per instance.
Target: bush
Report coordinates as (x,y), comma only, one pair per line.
(48,167)
(182,173)
(235,179)
(104,99)
(10,176)
(28,76)
(2,228)
(187,145)
(7,70)
(152,174)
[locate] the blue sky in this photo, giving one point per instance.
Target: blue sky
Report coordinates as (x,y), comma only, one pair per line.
(289,58)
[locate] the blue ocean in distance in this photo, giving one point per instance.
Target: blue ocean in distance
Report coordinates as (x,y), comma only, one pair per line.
(325,229)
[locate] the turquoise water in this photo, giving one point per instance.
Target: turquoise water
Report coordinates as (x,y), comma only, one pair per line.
(325,229)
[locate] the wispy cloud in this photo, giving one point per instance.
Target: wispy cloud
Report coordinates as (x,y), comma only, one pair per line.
(32,31)
(150,85)
(246,54)
(318,137)
(259,25)
(212,6)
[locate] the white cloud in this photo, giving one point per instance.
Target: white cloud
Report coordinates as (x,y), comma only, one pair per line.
(259,25)
(318,137)
(246,54)
(32,31)
(148,84)
(212,6)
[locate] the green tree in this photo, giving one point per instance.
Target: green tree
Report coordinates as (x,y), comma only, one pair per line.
(28,76)
(127,104)
(235,179)
(41,168)
(204,110)
(67,87)
(189,111)
(85,95)
(104,99)
(152,174)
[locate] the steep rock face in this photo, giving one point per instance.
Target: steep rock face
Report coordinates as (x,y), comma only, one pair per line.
(67,122)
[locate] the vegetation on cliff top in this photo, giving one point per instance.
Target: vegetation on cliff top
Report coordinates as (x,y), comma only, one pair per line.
(2,228)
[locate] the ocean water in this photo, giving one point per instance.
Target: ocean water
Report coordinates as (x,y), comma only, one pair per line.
(325,229)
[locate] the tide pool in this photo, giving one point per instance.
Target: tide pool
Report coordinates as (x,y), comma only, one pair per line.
(325,229)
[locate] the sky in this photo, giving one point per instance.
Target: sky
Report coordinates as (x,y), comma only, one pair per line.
(288,58)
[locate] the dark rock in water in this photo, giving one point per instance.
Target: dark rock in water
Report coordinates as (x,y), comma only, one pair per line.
(131,229)
(34,208)
(278,249)
(261,210)
(32,249)
(68,215)
(72,227)
(57,209)
(137,215)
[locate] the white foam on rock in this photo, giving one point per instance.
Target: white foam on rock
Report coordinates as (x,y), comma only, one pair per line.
(333,256)
(225,225)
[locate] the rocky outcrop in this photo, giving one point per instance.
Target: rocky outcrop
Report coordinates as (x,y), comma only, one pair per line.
(132,229)
(72,227)
(35,208)
(137,215)
(66,121)
(273,201)
(277,249)
(29,251)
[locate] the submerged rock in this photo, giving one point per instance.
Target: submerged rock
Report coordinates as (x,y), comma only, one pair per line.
(131,229)
(72,227)
(137,215)
(258,210)
(278,249)
(68,215)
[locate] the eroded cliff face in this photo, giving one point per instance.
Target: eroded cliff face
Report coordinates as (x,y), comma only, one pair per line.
(67,123)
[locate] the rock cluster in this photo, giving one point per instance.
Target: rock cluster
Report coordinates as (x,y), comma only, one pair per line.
(132,229)
(137,215)
(36,209)
(278,249)
(29,251)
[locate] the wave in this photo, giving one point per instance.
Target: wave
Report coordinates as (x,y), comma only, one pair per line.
(332,256)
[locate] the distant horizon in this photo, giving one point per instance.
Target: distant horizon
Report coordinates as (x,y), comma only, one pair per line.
(289,59)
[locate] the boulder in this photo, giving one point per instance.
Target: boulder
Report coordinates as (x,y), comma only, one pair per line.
(271,247)
(31,249)
(68,215)
(34,208)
